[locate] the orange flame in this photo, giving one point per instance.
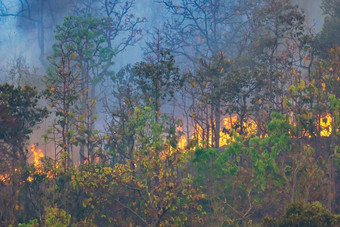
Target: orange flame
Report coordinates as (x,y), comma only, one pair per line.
(250,128)
(4,177)
(326,126)
(38,154)
(182,143)
(225,138)
(39,168)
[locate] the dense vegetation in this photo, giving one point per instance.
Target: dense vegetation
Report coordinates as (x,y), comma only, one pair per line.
(252,138)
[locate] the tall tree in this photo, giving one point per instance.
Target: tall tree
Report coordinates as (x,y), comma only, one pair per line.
(120,104)
(84,38)
(62,82)
(279,48)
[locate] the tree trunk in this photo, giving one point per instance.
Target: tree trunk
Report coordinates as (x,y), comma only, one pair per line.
(218,124)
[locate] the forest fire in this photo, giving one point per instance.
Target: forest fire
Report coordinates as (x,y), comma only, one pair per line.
(225,138)
(39,168)
(182,142)
(250,127)
(38,154)
(326,126)
(4,177)
(193,113)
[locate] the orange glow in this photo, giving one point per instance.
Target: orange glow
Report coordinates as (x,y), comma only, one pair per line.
(326,126)
(198,135)
(4,177)
(225,139)
(227,124)
(182,143)
(250,129)
(29,179)
(39,168)
(37,155)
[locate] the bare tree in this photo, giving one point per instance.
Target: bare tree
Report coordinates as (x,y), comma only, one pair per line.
(207,33)
(125,28)
(40,15)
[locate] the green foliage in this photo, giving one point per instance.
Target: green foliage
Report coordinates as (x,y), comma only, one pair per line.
(56,217)
(84,38)
(82,57)
(31,223)
(19,112)
(136,175)
(122,127)
(255,170)
(154,187)
(158,81)
(301,214)
(329,35)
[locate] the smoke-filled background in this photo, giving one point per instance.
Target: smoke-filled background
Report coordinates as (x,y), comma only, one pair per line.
(169,112)
(21,33)
(28,30)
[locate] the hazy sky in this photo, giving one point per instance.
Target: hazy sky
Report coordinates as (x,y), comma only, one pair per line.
(15,42)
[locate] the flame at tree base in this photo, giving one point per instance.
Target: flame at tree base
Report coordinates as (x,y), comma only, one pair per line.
(37,155)
(250,128)
(39,168)
(225,137)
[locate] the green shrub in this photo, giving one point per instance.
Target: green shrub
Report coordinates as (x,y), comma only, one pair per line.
(301,214)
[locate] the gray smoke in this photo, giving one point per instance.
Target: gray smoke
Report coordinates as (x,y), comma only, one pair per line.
(20,34)
(313,12)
